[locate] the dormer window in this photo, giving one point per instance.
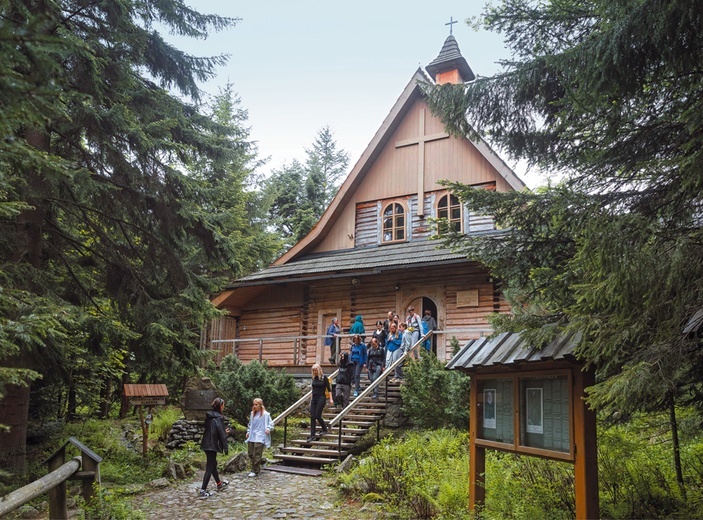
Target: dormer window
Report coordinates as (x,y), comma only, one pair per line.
(393,223)
(449,208)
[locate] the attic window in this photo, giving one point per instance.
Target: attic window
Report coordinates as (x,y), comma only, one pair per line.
(393,223)
(449,208)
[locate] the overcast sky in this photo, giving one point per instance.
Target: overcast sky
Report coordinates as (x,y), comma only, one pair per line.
(300,65)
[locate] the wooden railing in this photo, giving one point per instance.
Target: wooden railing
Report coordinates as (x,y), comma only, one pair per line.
(54,483)
(339,418)
(231,346)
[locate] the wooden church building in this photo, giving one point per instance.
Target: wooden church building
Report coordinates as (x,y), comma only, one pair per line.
(370,252)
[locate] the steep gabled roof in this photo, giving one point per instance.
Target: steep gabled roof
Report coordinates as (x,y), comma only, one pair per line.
(409,95)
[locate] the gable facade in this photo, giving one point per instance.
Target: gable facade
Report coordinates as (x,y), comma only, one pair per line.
(370,253)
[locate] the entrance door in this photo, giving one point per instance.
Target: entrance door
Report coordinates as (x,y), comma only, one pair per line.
(324,318)
(428,304)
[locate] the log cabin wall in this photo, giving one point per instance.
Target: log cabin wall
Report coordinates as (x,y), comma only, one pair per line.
(372,297)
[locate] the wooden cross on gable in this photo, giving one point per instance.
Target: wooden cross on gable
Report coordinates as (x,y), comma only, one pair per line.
(420,141)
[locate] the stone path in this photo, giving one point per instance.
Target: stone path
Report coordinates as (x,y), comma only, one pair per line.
(268,496)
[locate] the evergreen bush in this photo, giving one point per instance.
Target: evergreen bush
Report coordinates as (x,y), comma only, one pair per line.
(434,397)
(240,384)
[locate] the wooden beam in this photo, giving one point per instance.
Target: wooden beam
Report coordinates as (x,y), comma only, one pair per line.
(54,481)
(586,451)
(420,141)
(477,455)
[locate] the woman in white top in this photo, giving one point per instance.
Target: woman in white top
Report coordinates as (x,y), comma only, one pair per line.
(258,434)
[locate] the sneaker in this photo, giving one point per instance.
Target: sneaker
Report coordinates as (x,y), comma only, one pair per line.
(356,393)
(252,474)
(222,485)
(374,397)
(204,494)
(324,432)
(310,439)
(331,360)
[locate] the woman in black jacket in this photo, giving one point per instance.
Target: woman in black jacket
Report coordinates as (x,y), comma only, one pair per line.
(214,440)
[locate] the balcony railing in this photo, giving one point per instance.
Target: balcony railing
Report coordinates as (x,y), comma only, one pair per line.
(305,350)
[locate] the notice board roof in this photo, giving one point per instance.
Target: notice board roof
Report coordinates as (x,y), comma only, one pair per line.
(509,348)
(158,390)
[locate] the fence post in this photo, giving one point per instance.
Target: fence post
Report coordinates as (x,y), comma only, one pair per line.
(57,495)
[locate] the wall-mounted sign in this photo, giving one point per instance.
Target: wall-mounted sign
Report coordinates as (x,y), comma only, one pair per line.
(467,298)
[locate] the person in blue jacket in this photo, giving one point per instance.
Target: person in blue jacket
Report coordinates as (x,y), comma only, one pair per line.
(358,327)
(393,350)
(357,355)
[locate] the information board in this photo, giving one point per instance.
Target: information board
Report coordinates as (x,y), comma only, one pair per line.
(496,410)
(544,413)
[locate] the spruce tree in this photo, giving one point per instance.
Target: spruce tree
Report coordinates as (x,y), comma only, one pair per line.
(608,96)
(108,251)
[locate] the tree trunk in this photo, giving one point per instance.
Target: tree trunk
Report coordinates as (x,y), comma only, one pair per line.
(105,393)
(14,409)
(124,402)
(675,443)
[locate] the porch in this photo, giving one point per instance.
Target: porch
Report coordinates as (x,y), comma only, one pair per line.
(297,354)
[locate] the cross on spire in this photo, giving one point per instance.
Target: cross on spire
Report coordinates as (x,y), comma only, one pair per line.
(450,23)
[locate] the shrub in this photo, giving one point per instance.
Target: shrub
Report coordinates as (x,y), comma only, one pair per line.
(434,397)
(423,475)
(240,384)
(163,421)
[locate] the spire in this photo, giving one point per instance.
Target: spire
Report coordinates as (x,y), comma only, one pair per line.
(450,66)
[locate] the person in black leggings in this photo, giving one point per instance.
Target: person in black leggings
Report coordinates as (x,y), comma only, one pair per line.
(320,383)
(214,440)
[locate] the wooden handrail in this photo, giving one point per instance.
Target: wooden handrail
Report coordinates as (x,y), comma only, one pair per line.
(21,496)
(377,381)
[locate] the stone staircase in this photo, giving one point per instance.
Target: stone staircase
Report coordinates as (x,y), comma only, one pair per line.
(345,427)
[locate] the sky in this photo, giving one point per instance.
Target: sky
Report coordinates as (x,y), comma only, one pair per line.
(299,66)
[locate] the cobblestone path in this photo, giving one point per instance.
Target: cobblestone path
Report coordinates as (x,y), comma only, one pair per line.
(268,496)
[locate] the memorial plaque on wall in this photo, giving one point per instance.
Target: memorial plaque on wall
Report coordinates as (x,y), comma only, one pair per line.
(544,413)
(495,400)
(467,298)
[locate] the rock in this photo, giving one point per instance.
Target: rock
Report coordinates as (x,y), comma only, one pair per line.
(345,465)
(27,512)
(159,483)
(239,462)
(180,470)
(170,471)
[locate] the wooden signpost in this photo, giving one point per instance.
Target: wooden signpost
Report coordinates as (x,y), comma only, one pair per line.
(149,396)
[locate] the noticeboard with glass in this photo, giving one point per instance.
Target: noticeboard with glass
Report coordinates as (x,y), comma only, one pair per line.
(541,405)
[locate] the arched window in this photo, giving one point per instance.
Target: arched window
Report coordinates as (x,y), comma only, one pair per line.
(393,222)
(449,208)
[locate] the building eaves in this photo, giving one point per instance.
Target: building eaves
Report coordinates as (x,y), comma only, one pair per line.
(350,261)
